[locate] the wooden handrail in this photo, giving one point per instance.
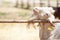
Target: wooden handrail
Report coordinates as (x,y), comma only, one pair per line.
(26,21)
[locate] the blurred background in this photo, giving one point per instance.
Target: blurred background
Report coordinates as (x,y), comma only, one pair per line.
(20,10)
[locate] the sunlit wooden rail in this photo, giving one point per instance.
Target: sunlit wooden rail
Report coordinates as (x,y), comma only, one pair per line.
(26,21)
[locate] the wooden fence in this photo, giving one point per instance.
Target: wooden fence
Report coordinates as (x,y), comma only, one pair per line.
(49,3)
(26,21)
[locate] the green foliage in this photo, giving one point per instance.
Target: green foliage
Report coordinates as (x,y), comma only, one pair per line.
(23,14)
(2,14)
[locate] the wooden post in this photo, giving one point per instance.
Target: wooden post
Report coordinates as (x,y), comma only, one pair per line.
(28,5)
(22,4)
(48,3)
(34,3)
(44,32)
(17,3)
(41,34)
(40,3)
(57,3)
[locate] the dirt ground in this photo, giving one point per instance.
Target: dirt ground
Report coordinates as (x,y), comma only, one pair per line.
(17,31)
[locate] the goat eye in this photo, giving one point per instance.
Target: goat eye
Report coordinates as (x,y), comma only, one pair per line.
(46,14)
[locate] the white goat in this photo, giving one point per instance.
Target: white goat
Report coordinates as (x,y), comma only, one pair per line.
(56,32)
(42,13)
(47,13)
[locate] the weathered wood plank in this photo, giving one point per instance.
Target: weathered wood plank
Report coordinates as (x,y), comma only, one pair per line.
(26,21)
